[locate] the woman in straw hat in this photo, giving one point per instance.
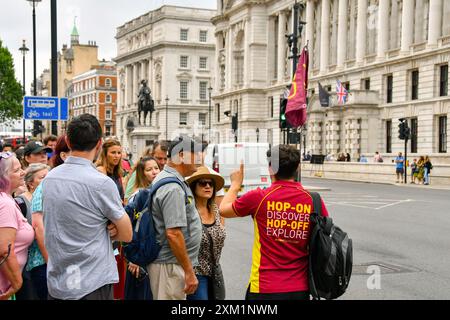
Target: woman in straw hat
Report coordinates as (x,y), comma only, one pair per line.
(204,185)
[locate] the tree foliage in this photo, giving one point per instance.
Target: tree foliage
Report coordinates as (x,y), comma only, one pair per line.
(10,89)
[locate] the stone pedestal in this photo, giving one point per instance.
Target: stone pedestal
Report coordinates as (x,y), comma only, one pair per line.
(140,138)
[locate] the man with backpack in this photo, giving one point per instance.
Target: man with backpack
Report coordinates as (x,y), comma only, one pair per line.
(177,224)
(283,228)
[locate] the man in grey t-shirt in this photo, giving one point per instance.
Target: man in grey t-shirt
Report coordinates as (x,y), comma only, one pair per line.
(178,225)
(82,213)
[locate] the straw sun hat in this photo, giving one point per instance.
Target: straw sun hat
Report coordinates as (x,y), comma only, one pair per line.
(207,173)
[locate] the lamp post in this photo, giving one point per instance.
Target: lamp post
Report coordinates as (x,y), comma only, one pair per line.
(167,116)
(209,114)
(24,51)
(34,4)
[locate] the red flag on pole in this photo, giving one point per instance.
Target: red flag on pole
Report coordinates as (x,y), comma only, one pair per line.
(296,106)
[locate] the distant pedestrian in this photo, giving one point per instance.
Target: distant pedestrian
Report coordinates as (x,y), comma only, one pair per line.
(399,170)
(280,254)
(413,171)
(16,234)
(204,185)
(420,169)
(81,262)
(427,171)
(377,157)
(177,223)
(363,159)
(347,157)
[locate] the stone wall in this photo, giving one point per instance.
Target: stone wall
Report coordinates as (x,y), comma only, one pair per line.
(371,172)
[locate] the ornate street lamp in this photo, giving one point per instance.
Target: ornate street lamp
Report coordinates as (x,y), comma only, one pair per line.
(24,51)
(34,4)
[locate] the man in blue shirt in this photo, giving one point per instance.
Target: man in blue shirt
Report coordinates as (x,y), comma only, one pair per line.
(399,167)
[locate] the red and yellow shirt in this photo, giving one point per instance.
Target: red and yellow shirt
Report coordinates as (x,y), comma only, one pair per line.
(282,230)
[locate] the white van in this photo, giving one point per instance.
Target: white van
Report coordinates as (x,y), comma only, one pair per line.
(225,158)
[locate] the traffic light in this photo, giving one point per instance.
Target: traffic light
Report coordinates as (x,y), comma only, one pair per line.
(283,123)
(234,122)
(403,130)
(37,127)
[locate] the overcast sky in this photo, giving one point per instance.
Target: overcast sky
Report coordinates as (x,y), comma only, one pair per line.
(96,20)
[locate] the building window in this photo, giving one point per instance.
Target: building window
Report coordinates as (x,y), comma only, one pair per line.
(107,82)
(202,119)
(108,114)
(366,83)
(203,35)
(443,134)
(414,85)
(184,34)
(443,81)
(183,89)
(203,85)
(346,85)
(203,62)
(183,118)
(389,86)
(218,112)
(184,62)
(108,98)
(107,131)
(271,107)
(389,136)
(414,130)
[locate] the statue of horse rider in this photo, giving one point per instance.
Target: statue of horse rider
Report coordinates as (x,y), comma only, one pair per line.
(145,102)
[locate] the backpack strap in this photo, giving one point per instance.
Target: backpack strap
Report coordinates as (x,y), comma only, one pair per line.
(317,203)
(148,200)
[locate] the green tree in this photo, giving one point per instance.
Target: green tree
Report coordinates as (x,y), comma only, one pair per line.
(10,89)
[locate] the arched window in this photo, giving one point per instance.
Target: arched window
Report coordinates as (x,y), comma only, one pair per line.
(108,98)
(108,82)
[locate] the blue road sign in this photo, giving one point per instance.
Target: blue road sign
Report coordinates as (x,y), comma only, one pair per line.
(45,108)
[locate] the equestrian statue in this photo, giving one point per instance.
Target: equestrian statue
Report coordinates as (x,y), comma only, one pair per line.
(145,102)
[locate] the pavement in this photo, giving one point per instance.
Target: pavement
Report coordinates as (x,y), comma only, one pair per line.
(407,185)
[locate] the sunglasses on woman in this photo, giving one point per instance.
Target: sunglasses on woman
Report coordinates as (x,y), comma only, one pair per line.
(203,183)
(6,155)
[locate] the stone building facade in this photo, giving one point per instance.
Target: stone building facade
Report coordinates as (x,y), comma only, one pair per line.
(392,55)
(173,48)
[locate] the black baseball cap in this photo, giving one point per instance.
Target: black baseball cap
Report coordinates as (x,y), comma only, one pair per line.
(35,147)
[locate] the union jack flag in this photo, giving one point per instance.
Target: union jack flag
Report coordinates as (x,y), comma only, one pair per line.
(341,93)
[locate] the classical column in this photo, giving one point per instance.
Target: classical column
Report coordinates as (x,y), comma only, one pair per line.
(325,36)
(281,46)
(434,22)
(247,51)
(135,89)
(219,37)
(342,33)
(128,85)
(383,27)
(407,25)
(229,69)
(310,29)
(361,31)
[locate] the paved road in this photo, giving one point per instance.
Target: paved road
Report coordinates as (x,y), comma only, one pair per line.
(401,231)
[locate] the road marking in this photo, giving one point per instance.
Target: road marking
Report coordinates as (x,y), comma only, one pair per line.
(363,201)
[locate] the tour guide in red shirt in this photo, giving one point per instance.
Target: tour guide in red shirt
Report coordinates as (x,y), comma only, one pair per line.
(282,228)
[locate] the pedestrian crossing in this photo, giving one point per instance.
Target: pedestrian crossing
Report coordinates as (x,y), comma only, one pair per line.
(365,201)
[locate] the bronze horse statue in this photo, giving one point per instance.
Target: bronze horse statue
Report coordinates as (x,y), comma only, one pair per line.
(145,102)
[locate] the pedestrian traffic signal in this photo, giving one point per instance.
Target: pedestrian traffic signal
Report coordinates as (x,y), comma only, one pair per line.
(234,122)
(38,128)
(283,123)
(403,130)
